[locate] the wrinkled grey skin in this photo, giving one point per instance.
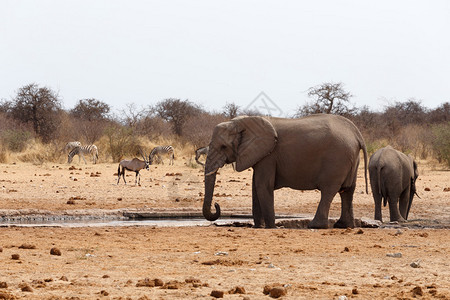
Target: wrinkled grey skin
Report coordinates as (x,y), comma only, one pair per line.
(393,178)
(316,152)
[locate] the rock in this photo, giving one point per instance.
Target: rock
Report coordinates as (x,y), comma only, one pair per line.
(395,255)
(3,285)
(237,290)
(27,246)
(1,249)
(342,298)
(25,287)
(55,251)
(427,189)
(360,231)
(104,293)
(355,291)
(15,256)
(415,264)
(217,294)
(63,278)
(417,291)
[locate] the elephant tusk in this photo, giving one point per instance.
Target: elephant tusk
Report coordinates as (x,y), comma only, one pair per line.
(212,172)
(415,193)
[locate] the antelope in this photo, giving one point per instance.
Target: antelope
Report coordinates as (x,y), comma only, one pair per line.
(134,165)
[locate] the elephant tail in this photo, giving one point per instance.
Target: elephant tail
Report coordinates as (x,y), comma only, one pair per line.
(362,145)
(381,189)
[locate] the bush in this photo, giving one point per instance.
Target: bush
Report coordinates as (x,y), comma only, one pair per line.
(16,140)
(441,142)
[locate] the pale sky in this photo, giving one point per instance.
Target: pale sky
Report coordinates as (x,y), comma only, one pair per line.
(213,52)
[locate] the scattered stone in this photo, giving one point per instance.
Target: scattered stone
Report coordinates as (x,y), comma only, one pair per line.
(63,278)
(415,264)
(172,285)
(417,291)
(237,290)
(3,285)
(15,256)
(395,255)
(105,276)
(342,298)
(55,251)
(346,249)
(1,249)
(427,189)
(277,292)
(360,231)
(25,287)
(217,294)
(447,189)
(399,232)
(71,202)
(7,296)
(27,246)
(104,293)
(158,282)
(355,291)
(39,283)
(146,282)
(48,279)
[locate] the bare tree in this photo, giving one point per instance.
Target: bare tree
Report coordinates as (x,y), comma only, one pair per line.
(39,106)
(230,110)
(176,112)
(91,110)
(328,98)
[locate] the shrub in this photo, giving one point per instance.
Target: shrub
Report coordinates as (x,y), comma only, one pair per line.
(441,142)
(16,140)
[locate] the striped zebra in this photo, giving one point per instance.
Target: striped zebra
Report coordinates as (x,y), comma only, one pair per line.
(199,152)
(70,145)
(159,151)
(80,151)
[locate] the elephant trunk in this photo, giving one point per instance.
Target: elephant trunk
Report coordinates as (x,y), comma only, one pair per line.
(210,181)
(213,163)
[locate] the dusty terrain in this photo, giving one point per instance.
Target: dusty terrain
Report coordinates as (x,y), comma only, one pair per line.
(403,261)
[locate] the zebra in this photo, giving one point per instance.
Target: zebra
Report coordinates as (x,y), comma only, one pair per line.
(70,145)
(80,151)
(158,151)
(199,152)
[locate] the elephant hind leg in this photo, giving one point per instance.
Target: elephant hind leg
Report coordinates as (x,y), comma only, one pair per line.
(320,220)
(346,220)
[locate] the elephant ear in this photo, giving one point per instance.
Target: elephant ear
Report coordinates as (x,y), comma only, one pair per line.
(257,139)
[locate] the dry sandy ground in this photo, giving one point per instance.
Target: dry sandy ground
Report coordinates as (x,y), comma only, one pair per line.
(192,262)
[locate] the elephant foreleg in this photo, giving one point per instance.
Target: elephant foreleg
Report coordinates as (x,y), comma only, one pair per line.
(256,208)
(346,220)
(263,185)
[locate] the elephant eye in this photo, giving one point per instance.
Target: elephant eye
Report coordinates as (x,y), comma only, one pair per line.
(223,147)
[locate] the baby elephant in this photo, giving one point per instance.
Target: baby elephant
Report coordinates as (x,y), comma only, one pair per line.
(393,177)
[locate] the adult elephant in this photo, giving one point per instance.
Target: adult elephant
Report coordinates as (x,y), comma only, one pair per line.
(315,152)
(393,177)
